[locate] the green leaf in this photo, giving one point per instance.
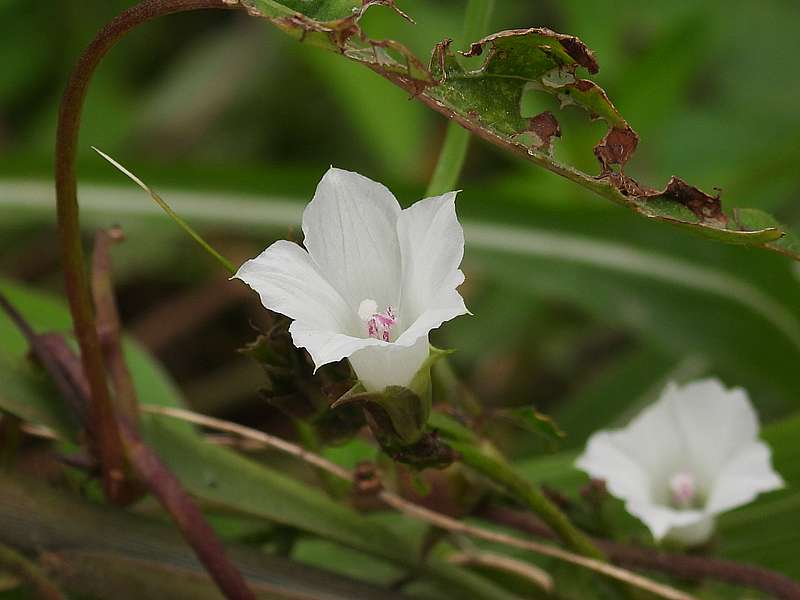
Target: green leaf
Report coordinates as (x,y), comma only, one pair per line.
(141,557)
(532,420)
(26,393)
(224,478)
(752,218)
(46,313)
(180,222)
(488,101)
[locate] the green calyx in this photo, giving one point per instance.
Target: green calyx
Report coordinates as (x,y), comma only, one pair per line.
(398,416)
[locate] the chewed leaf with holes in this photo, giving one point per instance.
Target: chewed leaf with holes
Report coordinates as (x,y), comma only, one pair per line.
(487,101)
(334,25)
(516,61)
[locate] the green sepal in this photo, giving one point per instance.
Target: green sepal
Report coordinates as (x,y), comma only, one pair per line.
(295,388)
(404,410)
(397,412)
(398,416)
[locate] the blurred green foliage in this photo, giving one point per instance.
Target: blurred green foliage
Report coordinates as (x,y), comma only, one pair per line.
(581,309)
(213,101)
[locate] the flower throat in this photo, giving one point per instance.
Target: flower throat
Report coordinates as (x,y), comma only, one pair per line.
(379,324)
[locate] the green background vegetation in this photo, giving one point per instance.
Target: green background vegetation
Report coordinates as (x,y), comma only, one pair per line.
(581,308)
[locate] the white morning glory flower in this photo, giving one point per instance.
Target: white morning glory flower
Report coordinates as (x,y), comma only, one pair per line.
(372,281)
(689,456)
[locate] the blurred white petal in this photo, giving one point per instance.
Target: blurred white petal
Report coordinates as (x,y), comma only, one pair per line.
(701,437)
(624,476)
(663,521)
(694,534)
(714,423)
(652,439)
(745,476)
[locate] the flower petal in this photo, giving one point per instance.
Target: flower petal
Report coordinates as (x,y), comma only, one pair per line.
(701,429)
(714,422)
(653,441)
(694,534)
(689,527)
(327,346)
(745,476)
(605,459)
(608,456)
(288,282)
(432,247)
(384,364)
(350,232)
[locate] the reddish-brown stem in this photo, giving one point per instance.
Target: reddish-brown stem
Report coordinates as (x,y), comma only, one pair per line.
(187,516)
(682,566)
(113,434)
(145,463)
(103,429)
(108,324)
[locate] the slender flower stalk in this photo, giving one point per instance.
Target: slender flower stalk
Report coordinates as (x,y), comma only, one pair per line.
(501,473)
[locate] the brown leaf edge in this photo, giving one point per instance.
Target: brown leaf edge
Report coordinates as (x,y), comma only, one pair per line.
(398,64)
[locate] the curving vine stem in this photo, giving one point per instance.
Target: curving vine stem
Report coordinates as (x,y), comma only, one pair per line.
(103,428)
(114,439)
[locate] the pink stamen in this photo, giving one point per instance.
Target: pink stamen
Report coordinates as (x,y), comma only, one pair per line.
(385,320)
(683,488)
(379,325)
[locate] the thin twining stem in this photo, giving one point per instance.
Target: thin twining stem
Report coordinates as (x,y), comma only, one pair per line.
(105,436)
(419,512)
(501,562)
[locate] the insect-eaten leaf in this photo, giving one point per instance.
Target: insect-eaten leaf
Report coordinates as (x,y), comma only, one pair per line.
(487,101)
